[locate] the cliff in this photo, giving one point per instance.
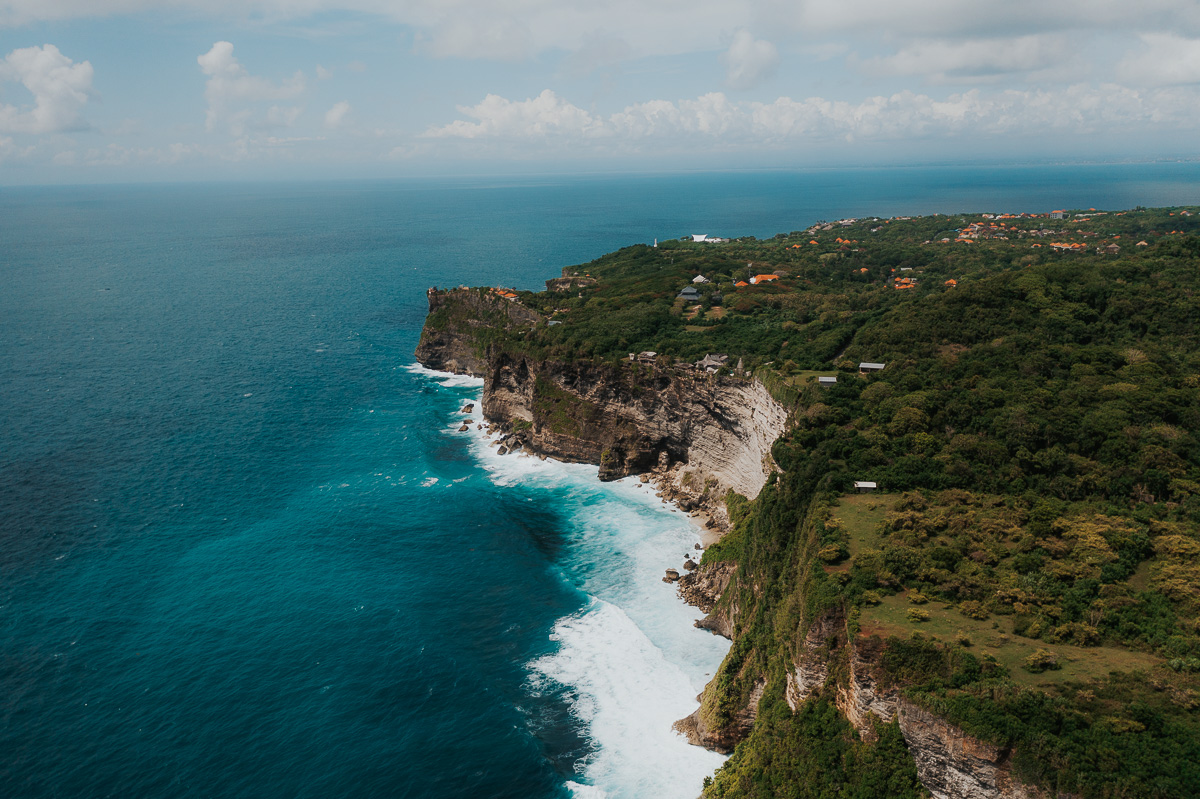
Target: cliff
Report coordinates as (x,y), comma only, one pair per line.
(700,436)
(460,324)
(635,418)
(951,764)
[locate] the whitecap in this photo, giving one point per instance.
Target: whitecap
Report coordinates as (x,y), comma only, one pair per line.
(428,481)
(626,694)
(448,379)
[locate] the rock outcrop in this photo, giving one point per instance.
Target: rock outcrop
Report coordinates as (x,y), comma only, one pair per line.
(450,341)
(954,765)
(716,432)
(702,588)
(950,763)
(724,739)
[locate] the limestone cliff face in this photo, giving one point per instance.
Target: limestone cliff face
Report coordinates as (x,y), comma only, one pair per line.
(950,763)
(634,418)
(722,740)
(954,765)
(703,588)
(451,339)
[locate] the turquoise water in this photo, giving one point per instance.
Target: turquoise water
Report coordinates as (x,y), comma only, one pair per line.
(243,551)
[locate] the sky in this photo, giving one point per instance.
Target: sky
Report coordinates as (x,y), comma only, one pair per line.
(136,90)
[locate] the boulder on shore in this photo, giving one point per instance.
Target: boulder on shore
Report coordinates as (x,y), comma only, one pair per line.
(672,576)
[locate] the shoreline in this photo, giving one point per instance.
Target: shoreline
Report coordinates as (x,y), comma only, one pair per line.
(651,721)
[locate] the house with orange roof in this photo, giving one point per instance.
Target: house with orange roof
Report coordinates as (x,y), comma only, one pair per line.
(951,282)
(763,278)
(741,283)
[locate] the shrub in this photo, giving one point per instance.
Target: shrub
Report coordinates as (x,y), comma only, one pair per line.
(1041,660)
(973,610)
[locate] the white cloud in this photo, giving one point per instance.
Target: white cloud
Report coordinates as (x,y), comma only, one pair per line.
(546,114)
(232,92)
(749,61)
(972,59)
(1166,59)
(1080,109)
(322,73)
(335,115)
(59,86)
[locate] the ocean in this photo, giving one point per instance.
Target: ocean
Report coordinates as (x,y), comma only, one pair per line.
(244,551)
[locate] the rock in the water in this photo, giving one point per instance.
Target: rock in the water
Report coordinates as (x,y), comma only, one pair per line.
(690,565)
(697,546)
(464,428)
(502,451)
(672,575)
(645,478)
(470,406)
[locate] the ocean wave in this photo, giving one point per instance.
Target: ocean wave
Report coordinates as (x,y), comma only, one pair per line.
(448,379)
(626,694)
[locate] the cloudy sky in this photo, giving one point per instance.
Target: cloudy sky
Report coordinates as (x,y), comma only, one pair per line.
(99,90)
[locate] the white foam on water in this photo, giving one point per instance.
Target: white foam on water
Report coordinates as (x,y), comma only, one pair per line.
(626,694)
(585,791)
(631,663)
(448,379)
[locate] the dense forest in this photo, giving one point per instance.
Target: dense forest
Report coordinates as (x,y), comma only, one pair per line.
(1030,564)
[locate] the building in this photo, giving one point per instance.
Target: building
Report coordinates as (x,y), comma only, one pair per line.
(763,278)
(690,293)
(700,279)
(865,486)
(711,363)
(827,381)
(866,367)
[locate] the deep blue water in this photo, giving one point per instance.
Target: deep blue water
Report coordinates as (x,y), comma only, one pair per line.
(242,554)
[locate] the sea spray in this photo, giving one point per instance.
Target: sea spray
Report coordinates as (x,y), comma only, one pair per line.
(630,662)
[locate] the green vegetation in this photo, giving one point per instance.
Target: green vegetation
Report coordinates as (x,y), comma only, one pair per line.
(1033,573)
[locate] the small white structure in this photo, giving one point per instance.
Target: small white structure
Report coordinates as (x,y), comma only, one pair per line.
(700,279)
(699,236)
(827,381)
(864,486)
(866,367)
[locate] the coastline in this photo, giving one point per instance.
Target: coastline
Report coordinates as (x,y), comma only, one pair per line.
(642,629)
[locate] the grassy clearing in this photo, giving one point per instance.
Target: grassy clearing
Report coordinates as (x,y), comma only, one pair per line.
(890,617)
(859,515)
